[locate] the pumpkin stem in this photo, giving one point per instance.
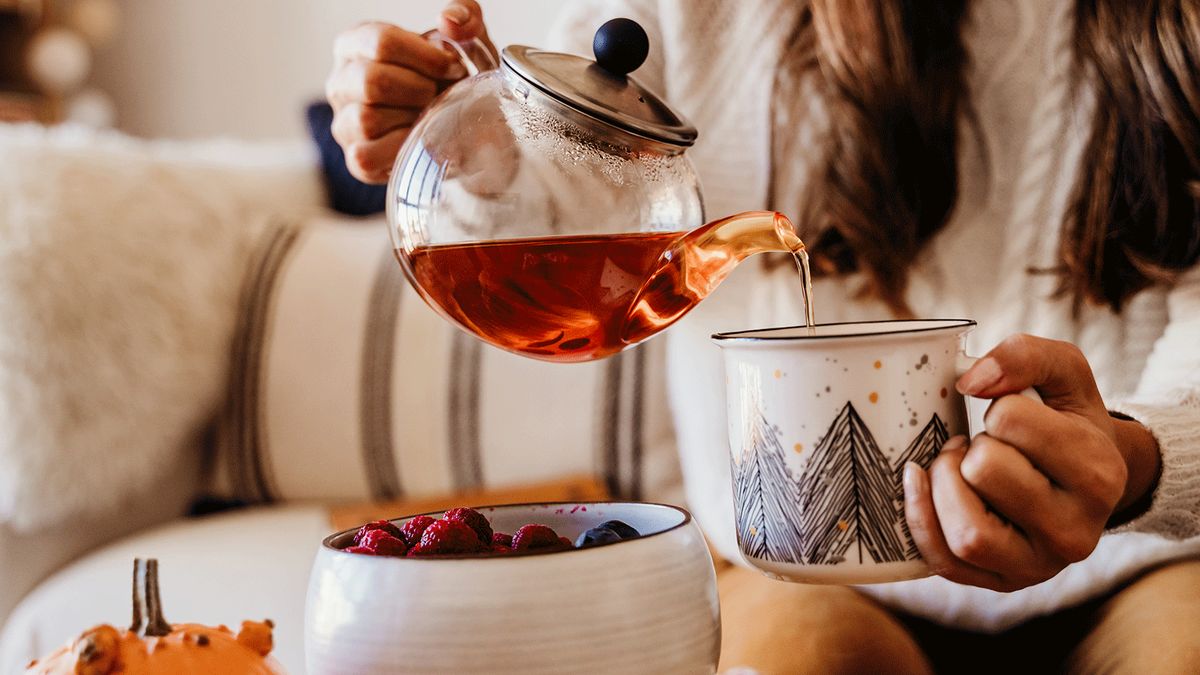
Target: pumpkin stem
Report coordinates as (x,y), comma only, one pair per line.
(156,625)
(145,595)
(136,626)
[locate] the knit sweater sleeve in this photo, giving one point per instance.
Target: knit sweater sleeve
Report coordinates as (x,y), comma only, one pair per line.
(1167,402)
(577,23)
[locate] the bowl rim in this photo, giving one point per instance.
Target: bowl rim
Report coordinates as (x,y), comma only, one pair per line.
(327,542)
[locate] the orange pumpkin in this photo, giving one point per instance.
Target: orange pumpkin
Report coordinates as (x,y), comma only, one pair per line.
(155,647)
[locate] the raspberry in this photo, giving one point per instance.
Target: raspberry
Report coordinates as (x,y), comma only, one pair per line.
(501,539)
(382,543)
(501,549)
(447,537)
(360,549)
(377,525)
(472,519)
(531,537)
(413,529)
(563,542)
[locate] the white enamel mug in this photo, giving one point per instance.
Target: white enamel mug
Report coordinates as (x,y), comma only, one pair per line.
(821,424)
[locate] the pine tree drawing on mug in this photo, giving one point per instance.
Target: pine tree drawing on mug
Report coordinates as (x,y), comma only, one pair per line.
(764,497)
(848,494)
(922,450)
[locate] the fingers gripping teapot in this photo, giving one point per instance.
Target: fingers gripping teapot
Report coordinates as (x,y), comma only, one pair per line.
(548,206)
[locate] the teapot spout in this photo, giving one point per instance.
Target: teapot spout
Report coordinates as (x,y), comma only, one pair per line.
(697,262)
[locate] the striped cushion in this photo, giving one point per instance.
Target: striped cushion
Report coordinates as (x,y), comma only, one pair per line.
(346,386)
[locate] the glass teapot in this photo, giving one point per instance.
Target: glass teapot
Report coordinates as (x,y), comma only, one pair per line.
(547,205)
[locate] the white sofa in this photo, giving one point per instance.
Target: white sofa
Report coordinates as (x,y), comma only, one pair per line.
(127,204)
(252,563)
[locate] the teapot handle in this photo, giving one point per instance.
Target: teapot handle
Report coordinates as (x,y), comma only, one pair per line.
(473,54)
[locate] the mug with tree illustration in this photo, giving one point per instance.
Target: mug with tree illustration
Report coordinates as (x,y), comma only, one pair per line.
(821,424)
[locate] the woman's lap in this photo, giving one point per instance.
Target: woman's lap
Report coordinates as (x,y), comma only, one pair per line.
(777,627)
(1150,625)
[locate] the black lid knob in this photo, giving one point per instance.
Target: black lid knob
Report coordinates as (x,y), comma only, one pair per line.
(621,46)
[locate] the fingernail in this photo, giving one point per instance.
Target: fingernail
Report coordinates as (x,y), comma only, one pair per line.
(985,373)
(954,443)
(914,479)
(455,71)
(457,14)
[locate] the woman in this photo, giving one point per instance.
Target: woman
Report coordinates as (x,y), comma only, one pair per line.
(1033,165)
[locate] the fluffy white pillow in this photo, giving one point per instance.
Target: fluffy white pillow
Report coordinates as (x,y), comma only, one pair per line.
(120,264)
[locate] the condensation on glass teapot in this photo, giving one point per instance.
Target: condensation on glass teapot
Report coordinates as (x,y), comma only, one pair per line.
(547,206)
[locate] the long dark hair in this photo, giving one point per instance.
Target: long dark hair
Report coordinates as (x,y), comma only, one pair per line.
(892,74)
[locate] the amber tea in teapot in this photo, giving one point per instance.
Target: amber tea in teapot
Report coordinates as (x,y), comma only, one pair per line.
(547,204)
(578,298)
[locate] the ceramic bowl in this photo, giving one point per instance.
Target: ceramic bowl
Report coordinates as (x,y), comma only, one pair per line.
(646,605)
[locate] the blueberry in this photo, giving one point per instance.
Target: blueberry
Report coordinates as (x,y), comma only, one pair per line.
(621,46)
(623,531)
(597,536)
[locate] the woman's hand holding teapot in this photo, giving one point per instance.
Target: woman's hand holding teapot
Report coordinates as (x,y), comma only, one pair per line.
(384,76)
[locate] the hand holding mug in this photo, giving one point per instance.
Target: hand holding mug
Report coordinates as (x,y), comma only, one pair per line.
(1034,492)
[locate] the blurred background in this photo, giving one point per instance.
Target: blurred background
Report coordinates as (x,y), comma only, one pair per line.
(199,68)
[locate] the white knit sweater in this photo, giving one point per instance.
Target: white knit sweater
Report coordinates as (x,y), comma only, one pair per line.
(718,62)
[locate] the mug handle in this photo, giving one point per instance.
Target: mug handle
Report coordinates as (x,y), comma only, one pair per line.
(474,56)
(964,363)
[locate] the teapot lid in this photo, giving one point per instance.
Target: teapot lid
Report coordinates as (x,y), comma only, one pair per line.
(602,89)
